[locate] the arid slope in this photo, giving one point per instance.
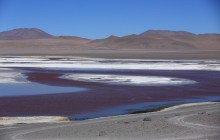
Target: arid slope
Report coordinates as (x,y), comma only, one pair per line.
(32,41)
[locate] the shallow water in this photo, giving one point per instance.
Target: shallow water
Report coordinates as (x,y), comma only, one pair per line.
(90,88)
(34,89)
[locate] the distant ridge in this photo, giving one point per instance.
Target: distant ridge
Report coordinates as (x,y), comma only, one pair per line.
(24,33)
(159,40)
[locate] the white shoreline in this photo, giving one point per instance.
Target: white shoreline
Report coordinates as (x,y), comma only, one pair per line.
(7,77)
(129,79)
(101,58)
(85,63)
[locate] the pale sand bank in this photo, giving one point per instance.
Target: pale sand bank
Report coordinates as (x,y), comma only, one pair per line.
(30,120)
(187,105)
(196,121)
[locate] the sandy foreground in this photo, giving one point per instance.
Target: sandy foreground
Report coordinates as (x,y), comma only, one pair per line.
(196,121)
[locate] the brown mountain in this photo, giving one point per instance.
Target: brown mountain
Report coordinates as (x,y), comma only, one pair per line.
(161,40)
(24,33)
(150,40)
(32,41)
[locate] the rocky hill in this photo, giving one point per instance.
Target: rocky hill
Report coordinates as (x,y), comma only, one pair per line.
(24,33)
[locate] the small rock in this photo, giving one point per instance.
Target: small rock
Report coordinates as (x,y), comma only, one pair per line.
(102,133)
(147,119)
(126,122)
(202,113)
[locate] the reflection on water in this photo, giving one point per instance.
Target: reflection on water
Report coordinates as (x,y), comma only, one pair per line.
(34,89)
(14,83)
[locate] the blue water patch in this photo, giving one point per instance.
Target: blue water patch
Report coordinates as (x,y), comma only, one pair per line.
(21,89)
(126,109)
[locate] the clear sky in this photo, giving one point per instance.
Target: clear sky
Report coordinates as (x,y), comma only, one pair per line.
(102,18)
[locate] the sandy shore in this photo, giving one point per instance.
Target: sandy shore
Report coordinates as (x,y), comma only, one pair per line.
(198,121)
(29,120)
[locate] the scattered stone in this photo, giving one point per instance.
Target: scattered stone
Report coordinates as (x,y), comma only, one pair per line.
(126,122)
(102,133)
(202,113)
(147,119)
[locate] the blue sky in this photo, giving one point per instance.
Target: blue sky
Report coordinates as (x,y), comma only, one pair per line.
(102,18)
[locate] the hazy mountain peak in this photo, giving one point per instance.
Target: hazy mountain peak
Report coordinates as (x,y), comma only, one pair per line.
(112,37)
(165,33)
(24,33)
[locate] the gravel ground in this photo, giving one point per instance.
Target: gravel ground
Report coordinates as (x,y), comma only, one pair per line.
(191,122)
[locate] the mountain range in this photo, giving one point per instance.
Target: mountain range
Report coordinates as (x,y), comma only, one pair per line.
(162,40)
(33,39)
